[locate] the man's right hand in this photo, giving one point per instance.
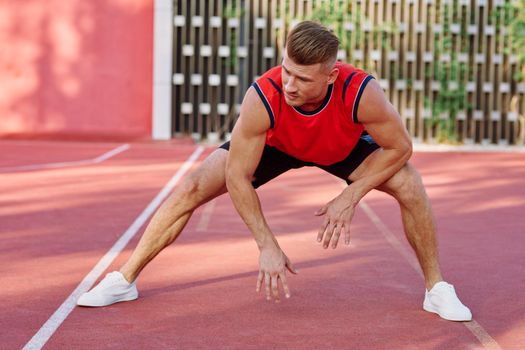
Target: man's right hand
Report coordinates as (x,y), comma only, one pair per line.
(272,268)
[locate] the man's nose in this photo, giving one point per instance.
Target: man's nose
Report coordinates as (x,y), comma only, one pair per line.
(290,86)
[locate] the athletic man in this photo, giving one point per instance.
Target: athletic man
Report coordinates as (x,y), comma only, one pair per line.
(310,111)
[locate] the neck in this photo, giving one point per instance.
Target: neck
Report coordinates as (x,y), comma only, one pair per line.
(315,103)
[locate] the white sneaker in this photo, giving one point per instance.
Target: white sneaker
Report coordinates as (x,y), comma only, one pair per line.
(112,289)
(442,300)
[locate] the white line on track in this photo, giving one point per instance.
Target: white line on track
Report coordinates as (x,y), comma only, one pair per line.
(423,147)
(479,332)
(96,160)
(52,324)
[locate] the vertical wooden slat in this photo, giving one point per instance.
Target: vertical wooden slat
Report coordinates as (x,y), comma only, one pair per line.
(177,69)
(508,115)
(214,77)
(481,121)
(242,53)
(275,23)
(280,28)
(257,45)
(454,69)
(187,107)
(488,71)
(384,41)
(437,29)
(504,83)
(460,46)
(419,81)
(193,64)
(407,57)
(200,70)
(233,23)
(375,44)
(468,49)
(428,59)
(472,87)
(387,63)
(497,77)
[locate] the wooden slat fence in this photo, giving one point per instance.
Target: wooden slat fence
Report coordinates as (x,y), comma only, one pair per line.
(447,65)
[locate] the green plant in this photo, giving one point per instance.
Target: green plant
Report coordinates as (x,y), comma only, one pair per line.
(511,17)
(334,14)
(450,98)
(517,30)
(232,11)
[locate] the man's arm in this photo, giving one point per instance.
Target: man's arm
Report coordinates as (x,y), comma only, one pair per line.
(246,147)
(383,123)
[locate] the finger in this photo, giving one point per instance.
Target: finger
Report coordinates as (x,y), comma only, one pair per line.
(322,229)
(284,282)
(337,233)
(347,233)
(290,267)
(259,281)
(328,234)
(267,285)
(275,290)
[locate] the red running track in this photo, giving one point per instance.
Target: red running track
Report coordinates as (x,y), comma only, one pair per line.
(56,224)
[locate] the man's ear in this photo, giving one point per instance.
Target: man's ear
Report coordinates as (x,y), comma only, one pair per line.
(333,75)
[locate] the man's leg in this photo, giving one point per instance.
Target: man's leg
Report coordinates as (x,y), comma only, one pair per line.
(418,221)
(407,188)
(204,184)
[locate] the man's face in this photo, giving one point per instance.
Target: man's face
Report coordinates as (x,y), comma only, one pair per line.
(305,84)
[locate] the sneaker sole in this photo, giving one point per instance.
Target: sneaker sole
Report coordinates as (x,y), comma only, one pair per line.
(130,298)
(444,315)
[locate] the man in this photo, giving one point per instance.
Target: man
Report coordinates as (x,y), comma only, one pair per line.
(310,111)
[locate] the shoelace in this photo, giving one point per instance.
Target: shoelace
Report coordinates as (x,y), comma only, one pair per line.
(447,287)
(111,279)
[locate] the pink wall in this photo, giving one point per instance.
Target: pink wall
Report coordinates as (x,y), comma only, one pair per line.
(76,68)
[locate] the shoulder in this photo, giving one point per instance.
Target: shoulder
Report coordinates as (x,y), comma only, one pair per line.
(348,73)
(270,82)
(353,82)
(375,106)
(269,89)
(253,118)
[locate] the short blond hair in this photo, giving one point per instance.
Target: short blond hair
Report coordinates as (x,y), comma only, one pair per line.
(311,43)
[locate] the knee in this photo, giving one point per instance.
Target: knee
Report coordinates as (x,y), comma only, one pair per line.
(190,187)
(406,185)
(185,196)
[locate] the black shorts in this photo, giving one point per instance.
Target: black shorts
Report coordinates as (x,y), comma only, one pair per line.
(275,162)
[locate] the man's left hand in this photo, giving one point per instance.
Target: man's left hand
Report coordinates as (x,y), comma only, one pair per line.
(339,212)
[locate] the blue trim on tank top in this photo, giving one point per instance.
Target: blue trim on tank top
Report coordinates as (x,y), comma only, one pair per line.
(266,104)
(320,108)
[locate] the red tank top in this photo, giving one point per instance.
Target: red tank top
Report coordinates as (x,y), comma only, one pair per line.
(324,136)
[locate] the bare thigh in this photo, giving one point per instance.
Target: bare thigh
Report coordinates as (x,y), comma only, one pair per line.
(406,186)
(205,183)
